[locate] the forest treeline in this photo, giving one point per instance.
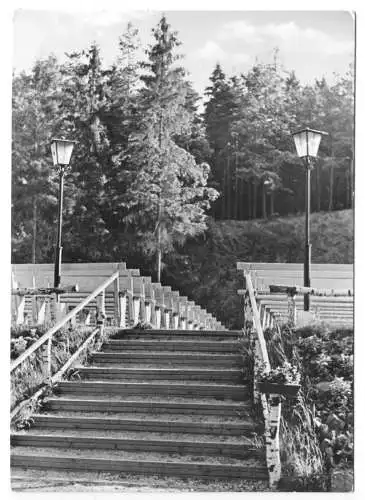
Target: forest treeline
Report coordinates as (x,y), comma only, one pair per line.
(152,163)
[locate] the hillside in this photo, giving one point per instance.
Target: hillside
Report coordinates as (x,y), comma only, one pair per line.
(205,269)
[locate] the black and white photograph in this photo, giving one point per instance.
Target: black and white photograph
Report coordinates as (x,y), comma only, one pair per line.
(181,210)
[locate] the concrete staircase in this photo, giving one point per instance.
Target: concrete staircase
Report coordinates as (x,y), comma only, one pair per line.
(151,402)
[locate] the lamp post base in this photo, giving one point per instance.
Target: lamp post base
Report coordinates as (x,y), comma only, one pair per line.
(307,281)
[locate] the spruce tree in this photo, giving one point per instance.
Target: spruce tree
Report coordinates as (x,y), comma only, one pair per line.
(35,103)
(167,190)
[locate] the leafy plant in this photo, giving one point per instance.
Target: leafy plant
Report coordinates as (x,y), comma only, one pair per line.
(285,374)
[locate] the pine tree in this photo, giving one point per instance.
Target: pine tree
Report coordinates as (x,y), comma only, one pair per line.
(84,105)
(167,194)
(219,111)
(35,103)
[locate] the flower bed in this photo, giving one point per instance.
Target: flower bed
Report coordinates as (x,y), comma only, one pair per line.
(317,428)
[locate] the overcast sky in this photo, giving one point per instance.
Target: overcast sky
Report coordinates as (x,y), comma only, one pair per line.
(313,43)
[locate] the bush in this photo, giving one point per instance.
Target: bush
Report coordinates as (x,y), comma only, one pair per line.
(317,428)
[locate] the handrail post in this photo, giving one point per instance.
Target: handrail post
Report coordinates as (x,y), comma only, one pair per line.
(136,308)
(100,312)
(116,302)
(122,309)
(34,310)
(167,319)
(41,310)
(142,309)
(153,313)
(20,309)
(148,311)
(292,309)
(130,308)
(175,320)
(49,359)
(272,431)
(158,316)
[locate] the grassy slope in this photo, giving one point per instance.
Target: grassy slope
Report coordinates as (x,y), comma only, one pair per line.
(206,268)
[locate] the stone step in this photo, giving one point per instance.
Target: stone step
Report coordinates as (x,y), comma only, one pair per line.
(169,358)
(218,391)
(23,478)
(244,427)
(124,462)
(155,407)
(249,440)
(208,448)
(198,335)
(182,374)
(171,345)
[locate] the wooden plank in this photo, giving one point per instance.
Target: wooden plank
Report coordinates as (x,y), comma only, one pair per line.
(44,291)
(167,407)
(145,425)
(300,290)
(146,445)
(297,266)
(172,345)
(257,324)
(179,469)
(218,375)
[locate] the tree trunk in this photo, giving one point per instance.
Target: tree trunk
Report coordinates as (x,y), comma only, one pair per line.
(240,215)
(350,183)
(229,188)
(272,208)
(347,190)
(330,201)
(236,198)
(254,200)
(158,263)
(158,253)
(264,214)
(34,246)
(236,185)
(223,199)
(318,187)
(249,199)
(331,173)
(159,215)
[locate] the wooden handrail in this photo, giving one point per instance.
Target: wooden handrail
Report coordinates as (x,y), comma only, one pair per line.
(63,321)
(257,324)
(44,291)
(271,404)
(317,292)
(56,376)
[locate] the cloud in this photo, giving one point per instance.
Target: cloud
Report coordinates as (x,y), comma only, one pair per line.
(239,30)
(307,39)
(288,36)
(211,50)
(239,58)
(106,18)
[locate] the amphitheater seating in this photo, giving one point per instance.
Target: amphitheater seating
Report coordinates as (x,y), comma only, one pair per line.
(88,276)
(334,310)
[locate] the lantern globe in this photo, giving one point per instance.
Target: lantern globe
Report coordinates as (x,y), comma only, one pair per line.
(307,142)
(61,151)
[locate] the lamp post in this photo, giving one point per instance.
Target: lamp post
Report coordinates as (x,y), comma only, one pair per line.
(61,154)
(307,143)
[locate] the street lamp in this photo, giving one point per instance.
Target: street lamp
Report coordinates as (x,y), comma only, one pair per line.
(61,154)
(307,143)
